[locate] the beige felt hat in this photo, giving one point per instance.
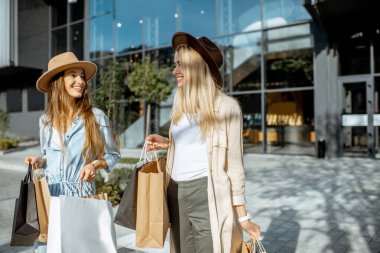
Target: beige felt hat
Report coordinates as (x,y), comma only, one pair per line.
(61,63)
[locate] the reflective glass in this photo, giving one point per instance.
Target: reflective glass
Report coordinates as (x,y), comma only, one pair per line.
(251,109)
(289,69)
(290,122)
(77,10)
(289,38)
(142,25)
(100,7)
(59,44)
(354,54)
(241,61)
(100,33)
(238,16)
(197,17)
(59,13)
(282,12)
(76,40)
(376,46)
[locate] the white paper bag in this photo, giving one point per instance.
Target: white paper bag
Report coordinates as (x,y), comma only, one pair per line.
(81,225)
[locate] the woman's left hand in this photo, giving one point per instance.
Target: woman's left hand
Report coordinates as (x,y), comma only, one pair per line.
(252,229)
(87,173)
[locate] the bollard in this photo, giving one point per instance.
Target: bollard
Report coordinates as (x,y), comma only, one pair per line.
(321,146)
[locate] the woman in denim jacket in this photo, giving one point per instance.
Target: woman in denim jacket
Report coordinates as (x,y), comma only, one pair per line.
(76,139)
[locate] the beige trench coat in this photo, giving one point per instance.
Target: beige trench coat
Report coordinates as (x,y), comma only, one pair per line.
(226,175)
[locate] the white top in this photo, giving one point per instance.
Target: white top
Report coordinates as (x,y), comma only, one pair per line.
(190,153)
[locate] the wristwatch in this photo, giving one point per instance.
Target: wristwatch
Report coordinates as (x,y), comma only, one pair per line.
(96,165)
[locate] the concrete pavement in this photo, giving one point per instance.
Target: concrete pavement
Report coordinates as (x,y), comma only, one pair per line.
(302,204)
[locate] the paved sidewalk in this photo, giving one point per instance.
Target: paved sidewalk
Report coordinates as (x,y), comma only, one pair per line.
(303,204)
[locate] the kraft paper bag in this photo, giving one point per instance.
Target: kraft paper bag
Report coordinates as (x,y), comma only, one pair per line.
(81,225)
(152,219)
(43,206)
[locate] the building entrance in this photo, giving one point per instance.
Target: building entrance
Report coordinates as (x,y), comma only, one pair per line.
(359,118)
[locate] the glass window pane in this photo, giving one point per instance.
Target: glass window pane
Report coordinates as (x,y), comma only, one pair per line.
(376,46)
(239,16)
(100,31)
(100,7)
(241,61)
(251,108)
(354,54)
(77,10)
(139,23)
(14,100)
(197,17)
(289,38)
(290,122)
(36,100)
(59,44)
(289,69)
(282,12)
(59,13)
(76,40)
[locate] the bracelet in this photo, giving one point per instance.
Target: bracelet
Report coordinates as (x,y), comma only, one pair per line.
(244,218)
(95,165)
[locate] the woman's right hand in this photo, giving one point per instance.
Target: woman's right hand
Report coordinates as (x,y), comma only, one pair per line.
(36,161)
(155,141)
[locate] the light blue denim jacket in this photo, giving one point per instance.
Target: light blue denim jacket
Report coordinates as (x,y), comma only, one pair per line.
(63,165)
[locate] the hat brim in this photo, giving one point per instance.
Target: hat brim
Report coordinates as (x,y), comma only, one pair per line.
(89,70)
(181,38)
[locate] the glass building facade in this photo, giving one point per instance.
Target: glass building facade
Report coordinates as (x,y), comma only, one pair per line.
(267,47)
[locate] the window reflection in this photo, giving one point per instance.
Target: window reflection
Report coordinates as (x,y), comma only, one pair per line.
(77,10)
(76,39)
(59,44)
(100,34)
(59,13)
(376,46)
(100,7)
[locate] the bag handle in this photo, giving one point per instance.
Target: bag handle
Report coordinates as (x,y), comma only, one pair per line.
(144,152)
(28,176)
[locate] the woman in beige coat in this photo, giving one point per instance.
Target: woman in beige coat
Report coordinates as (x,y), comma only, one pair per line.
(205,157)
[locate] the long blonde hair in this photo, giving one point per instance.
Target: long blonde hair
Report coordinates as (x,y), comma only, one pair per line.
(58,110)
(196,97)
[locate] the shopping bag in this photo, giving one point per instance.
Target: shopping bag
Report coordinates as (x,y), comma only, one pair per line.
(81,225)
(253,246)
(152,219)
(25,227)
(126,213)
(43,206)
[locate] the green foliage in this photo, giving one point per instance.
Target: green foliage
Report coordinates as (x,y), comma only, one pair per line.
(129,160)
(7,143)
(150,82)
(117,181)
(111,89)
(4,122)
(294,65)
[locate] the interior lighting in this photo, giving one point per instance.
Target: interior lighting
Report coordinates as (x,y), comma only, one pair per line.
(141,21)
(112,49)
(176,15)
(202,12)
(119,24)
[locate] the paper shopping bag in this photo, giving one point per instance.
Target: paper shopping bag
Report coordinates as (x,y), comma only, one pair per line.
(25,227)
(81,225)
(152,219)
(126,213)
(43,206)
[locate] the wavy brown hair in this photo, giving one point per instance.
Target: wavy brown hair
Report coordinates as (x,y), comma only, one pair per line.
(58,110)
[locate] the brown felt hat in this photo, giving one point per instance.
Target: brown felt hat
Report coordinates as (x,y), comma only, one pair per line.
(208,50)
(61,63)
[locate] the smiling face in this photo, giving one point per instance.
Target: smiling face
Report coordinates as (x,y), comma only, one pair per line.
(177,71)
(75,84)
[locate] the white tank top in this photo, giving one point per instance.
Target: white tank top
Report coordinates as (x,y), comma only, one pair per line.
(190,151)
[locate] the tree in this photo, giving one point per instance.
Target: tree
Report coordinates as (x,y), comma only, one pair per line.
(151,83)
(111,89)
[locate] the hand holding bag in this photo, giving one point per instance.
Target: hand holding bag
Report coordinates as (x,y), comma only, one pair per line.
(126,213)
(152,219)
(25,229)
(253,246)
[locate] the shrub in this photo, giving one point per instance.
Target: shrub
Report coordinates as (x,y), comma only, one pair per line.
(7,143)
